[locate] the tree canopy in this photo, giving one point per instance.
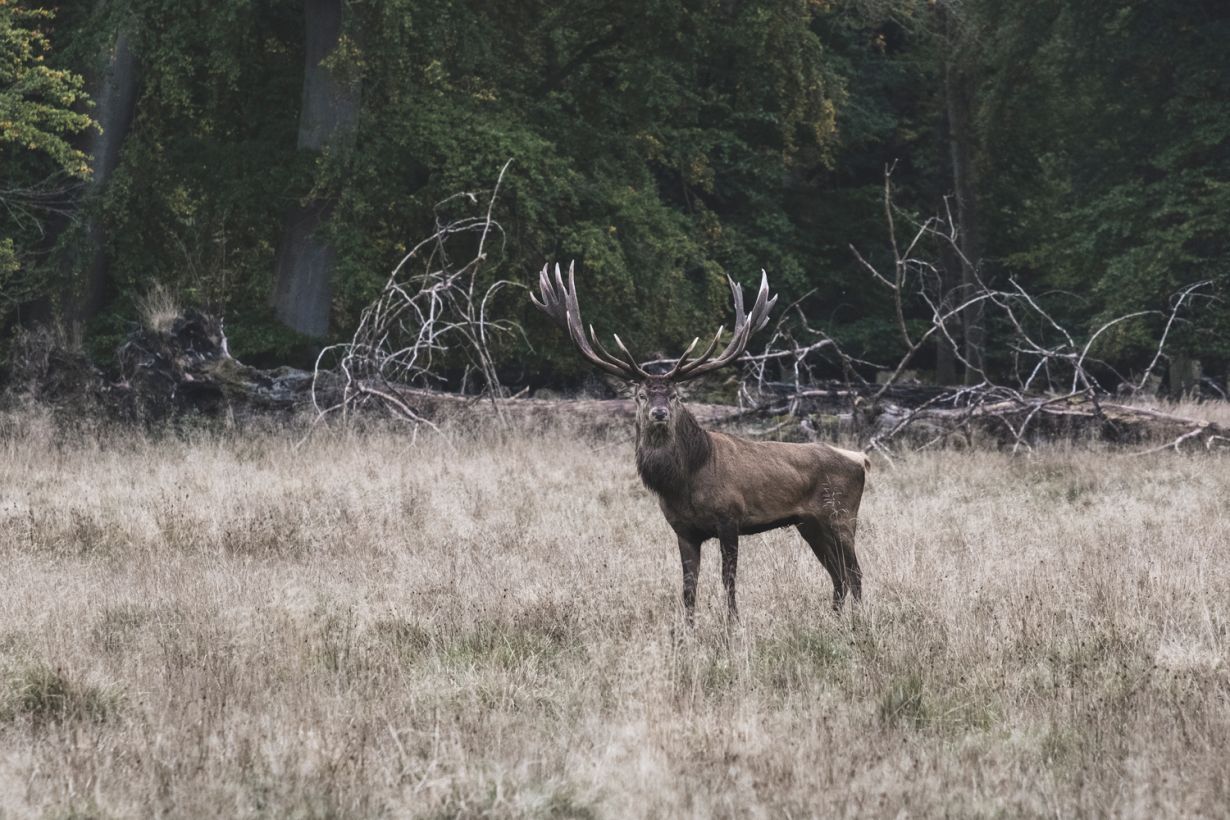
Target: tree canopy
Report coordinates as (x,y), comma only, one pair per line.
(663,144)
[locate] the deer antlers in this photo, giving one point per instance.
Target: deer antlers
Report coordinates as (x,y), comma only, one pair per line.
(560,303)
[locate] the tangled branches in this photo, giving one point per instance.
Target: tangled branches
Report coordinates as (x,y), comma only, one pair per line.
(432,312)
(1053,379)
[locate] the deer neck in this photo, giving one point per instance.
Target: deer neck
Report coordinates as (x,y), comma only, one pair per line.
(668,456)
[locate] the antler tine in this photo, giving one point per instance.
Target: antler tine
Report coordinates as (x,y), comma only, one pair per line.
(681,366)
(761,295)
(630,362)
(745,325)
(670,374)
(631,370)
(640,371)
(736,291)
(560,303)
(550,300)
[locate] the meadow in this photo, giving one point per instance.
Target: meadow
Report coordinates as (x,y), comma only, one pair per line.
(486,624)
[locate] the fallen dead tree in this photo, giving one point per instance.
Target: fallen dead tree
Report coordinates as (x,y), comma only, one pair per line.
(1053,390)
(434,315)
(433,310)
(916,417)
(181,367)
(184,368)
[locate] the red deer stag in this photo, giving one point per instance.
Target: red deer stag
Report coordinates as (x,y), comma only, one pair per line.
(715,485)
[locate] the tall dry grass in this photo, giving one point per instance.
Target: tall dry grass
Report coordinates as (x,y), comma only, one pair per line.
(224,625)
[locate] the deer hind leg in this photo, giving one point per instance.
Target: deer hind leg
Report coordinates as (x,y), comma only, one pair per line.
(836,554)
(816,537)
(843,527)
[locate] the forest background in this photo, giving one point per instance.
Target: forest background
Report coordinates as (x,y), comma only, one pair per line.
(272,161)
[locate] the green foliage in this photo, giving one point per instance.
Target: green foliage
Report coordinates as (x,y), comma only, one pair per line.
(37,100)
(42,108)
(1110,122)
(649,144)
(663,144)
(209,165)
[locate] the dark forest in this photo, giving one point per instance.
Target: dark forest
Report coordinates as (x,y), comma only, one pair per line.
(271,162)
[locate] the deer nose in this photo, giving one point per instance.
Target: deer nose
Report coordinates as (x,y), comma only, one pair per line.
(659,414)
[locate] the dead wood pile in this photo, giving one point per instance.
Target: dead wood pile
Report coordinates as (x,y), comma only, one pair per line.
(185,369)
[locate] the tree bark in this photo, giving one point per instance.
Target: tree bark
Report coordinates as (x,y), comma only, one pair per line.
(116,100)
(305,262)
(959,104)
(945,359)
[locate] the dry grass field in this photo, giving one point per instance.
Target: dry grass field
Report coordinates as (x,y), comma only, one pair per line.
(224,625)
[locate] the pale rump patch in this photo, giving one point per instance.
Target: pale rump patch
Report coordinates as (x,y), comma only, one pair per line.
(857,456)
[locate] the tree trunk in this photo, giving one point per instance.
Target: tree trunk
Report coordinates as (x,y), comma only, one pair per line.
(959,104)
(302,292)
(116,100)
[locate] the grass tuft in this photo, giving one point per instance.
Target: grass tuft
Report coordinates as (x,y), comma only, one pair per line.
(44,695)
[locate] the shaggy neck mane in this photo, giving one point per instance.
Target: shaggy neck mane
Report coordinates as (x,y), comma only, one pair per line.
(667,458)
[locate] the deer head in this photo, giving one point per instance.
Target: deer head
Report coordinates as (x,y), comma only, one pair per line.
(657,398)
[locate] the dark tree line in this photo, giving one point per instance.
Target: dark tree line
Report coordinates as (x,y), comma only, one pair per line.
(272,161)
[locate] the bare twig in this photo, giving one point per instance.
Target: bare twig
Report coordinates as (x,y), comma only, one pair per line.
(1053,367)
(420,320)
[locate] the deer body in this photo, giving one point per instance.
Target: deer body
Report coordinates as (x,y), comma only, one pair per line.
(714,485)
(789,484)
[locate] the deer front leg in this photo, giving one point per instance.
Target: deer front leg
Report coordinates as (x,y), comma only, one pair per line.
(730,566)
(689,556)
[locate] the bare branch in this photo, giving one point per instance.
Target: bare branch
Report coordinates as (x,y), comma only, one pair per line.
(1161,344)
(419,319)
(1055,369)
